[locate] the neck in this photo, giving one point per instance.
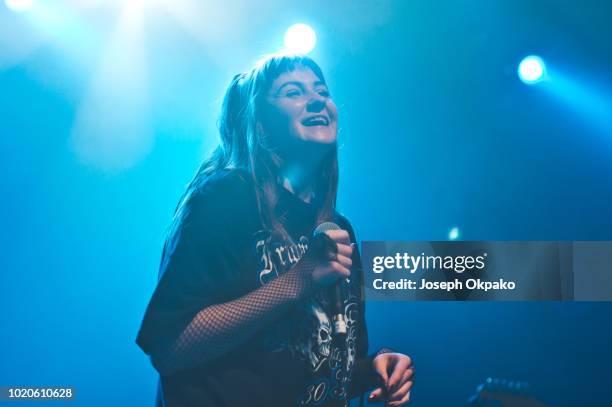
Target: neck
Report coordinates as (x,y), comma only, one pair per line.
(299,176)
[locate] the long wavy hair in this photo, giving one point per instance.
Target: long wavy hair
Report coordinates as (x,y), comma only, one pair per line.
(244,145)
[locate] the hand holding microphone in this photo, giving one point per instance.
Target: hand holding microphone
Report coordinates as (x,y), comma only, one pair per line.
(336,265)
(334,248)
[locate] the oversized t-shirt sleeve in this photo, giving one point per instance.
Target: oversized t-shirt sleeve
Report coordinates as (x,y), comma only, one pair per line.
(192,270)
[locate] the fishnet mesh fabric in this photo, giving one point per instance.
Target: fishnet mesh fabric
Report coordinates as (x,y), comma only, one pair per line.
(218,328)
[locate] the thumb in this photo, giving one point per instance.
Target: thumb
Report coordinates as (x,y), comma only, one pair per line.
(376,395)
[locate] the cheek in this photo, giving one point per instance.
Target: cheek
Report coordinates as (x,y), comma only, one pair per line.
(333,111)
(277,120)
(282,124)
(290,112)
(290,115)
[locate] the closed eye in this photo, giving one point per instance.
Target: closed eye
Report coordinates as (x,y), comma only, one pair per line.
(293,93)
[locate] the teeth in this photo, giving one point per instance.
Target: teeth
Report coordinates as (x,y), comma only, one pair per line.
(316,120)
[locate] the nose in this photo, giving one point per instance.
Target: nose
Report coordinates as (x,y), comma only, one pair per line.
(316,102)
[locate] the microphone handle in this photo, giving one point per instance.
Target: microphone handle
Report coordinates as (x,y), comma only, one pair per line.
(338,320)
(323,245)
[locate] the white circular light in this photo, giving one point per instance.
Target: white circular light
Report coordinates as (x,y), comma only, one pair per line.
(532,69)
(300,38)
(453,234)
(18,5)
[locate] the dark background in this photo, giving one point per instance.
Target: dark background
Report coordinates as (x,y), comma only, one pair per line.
(108,107)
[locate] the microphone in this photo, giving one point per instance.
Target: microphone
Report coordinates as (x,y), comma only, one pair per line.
(325,245)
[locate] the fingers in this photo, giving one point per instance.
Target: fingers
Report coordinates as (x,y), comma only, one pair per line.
(408,376)
(339,269)
(340,263)
(396,388)
(345,261)
(376,396)
(343,241)
(345,249)
(403,401)
(405,386)
(380,366)
(400,367)
(339,236)
(329,272)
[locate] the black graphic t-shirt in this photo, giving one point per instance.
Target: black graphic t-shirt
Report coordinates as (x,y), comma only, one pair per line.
(217,251)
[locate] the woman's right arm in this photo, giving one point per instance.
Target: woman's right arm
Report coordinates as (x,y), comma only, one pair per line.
(218,328)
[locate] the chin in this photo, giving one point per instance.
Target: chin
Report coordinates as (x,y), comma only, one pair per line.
(325,137)
(328,140)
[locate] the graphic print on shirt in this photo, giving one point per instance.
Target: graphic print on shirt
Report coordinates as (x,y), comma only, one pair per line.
(276,256)
(335,384)
(307,332)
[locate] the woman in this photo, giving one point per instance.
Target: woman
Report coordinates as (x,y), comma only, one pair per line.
(241,312)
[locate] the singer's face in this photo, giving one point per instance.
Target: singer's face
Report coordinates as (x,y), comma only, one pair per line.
(299,111)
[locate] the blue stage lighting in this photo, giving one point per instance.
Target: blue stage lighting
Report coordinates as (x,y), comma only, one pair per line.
(18,5)
(532,70)
(453,234)
(300,38)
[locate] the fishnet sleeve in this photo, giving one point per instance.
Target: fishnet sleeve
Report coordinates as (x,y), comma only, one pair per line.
(218,328)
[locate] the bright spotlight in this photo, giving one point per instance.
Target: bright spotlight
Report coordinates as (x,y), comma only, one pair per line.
(453,234)
(532,70)
(300,38)
(18,5)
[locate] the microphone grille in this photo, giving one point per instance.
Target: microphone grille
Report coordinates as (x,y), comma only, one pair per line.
(324,227)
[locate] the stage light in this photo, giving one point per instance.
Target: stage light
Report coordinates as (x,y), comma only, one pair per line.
(453,234)
(590,99)
(532,70)
(18,5)
(300,38)
(112,128)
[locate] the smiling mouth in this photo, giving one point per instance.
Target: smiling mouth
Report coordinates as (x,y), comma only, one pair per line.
(316,121)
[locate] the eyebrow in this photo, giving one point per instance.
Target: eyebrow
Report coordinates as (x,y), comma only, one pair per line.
(299,84)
